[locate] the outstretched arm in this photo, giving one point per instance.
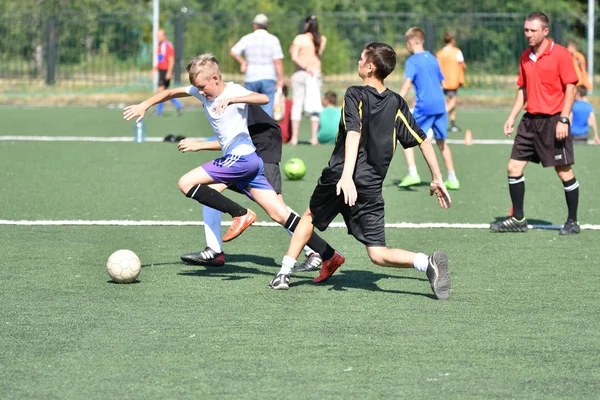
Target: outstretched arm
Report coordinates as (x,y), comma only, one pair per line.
(252,98)
(346,183)
(139,110)
(187,145)
(437,186)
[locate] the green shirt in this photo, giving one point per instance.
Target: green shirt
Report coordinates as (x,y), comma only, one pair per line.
(329,124)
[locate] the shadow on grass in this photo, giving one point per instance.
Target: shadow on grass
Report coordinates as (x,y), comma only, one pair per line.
(121,283)
(366,280)
(229,272)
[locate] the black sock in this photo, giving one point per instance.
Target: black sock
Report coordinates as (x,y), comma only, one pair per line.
(208,196)
(516,187)
(572,196)
(315,242)
(452,123)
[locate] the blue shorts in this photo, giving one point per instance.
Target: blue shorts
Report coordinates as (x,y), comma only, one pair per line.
(245,172)
(437,122)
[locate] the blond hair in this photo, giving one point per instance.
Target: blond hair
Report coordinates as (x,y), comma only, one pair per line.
(205,65)
(415,34)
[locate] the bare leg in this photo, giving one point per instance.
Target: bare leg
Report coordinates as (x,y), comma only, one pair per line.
(446,154)
(314,121)
(295,130)
(386,257)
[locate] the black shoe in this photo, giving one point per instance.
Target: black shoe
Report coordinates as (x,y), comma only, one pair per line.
(570,228)
(511,224)
(169,138)
(207,258)
(437,273)
(280,282)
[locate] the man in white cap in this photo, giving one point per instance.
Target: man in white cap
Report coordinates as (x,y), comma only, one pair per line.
(263,63)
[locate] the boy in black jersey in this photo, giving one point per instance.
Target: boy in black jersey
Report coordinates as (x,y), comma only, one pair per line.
(374,119)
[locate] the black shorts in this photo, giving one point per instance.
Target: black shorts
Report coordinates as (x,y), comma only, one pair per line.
(536,142)
(451,92)
(162,78)
(273,175)
(365,219)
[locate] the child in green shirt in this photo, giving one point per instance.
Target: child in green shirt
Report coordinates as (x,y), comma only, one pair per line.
(329,119)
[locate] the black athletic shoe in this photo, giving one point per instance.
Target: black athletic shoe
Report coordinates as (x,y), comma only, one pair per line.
(510,224)
(208,258)
(280,282)
(437,273)
(570,228)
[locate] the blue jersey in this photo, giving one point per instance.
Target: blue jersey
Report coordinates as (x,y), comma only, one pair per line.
(424,71)
(581,112)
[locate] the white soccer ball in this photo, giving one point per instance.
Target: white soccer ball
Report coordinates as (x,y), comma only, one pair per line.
(123,266)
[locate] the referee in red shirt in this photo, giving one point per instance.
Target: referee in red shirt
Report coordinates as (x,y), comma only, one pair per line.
(546,82)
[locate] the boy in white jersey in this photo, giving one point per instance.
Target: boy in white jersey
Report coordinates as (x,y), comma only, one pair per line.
(226,107)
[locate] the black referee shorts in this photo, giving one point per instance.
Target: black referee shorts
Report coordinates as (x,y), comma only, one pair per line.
(536,142)
(365,219)
(162,78)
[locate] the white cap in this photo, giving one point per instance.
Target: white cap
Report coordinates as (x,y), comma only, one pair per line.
(260,19)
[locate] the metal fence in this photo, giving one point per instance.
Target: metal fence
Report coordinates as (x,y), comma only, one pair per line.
(115,50)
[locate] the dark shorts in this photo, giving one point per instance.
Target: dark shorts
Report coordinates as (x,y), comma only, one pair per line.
(536,142)
(162,78)
(365,219)
(273,175)
(451,92)
(580,138)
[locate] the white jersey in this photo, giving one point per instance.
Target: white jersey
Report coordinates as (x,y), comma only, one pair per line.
(231,126)
(261,50)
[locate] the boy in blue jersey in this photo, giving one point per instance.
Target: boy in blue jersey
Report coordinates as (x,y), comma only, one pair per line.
(582,116)
(423,71)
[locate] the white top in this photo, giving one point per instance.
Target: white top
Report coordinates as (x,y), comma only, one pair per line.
(260,49)
(231,126)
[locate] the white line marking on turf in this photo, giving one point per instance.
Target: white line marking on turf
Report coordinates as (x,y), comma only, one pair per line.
(406,225)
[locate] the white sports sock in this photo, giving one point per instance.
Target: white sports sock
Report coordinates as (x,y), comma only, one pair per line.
(212,228)
(421,261)
(451,175)
(412,171)
(286,265)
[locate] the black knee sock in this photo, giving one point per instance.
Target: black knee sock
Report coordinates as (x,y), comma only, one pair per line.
(315,242)
(516,187)
(572,197)
(208,196)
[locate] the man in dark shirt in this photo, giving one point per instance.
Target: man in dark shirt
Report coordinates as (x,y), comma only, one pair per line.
(374,119)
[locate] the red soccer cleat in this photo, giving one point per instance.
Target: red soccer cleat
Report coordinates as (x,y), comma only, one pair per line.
(239,225)
(329,267)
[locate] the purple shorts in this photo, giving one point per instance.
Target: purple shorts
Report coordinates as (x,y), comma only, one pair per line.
(245,172)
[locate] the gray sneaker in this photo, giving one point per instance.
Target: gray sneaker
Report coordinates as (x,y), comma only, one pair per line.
(312,263)
(511,224)
(280,282)
(439,278)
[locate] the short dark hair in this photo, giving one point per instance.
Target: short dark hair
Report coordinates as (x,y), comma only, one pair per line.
(331,97)
(448,37)
(383,56)
(540,16)
(581,90)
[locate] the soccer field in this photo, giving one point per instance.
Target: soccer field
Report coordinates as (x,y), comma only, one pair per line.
(522,321)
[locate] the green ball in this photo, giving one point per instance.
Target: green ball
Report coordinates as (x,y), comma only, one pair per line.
(294,169)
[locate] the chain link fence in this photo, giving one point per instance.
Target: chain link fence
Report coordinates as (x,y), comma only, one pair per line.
(114,51)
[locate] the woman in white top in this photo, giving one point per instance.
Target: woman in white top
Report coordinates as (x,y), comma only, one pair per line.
(306,51)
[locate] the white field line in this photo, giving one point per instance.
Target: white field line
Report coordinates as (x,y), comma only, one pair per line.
(399,225)
(159,139)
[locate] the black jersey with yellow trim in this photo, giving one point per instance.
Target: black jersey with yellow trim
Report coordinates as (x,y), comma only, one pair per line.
(382,119)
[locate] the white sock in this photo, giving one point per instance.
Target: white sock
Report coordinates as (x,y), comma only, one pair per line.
(286,266)
(412,171)
(451,175)
(421,261)
(212,228)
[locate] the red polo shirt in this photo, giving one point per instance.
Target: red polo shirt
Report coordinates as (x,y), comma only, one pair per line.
(546,77)
(165,51)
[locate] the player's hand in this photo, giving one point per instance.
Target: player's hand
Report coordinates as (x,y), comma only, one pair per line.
(439,189)
(346,185)
(509,126)
(168,76)
(243,67)
(187,145)
(220,106)
(562,131)
(131,112)
(597,140)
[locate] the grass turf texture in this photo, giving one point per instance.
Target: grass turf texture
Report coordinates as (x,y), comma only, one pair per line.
(521,322)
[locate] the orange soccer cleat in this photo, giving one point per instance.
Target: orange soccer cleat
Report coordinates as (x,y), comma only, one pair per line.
(239,225)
